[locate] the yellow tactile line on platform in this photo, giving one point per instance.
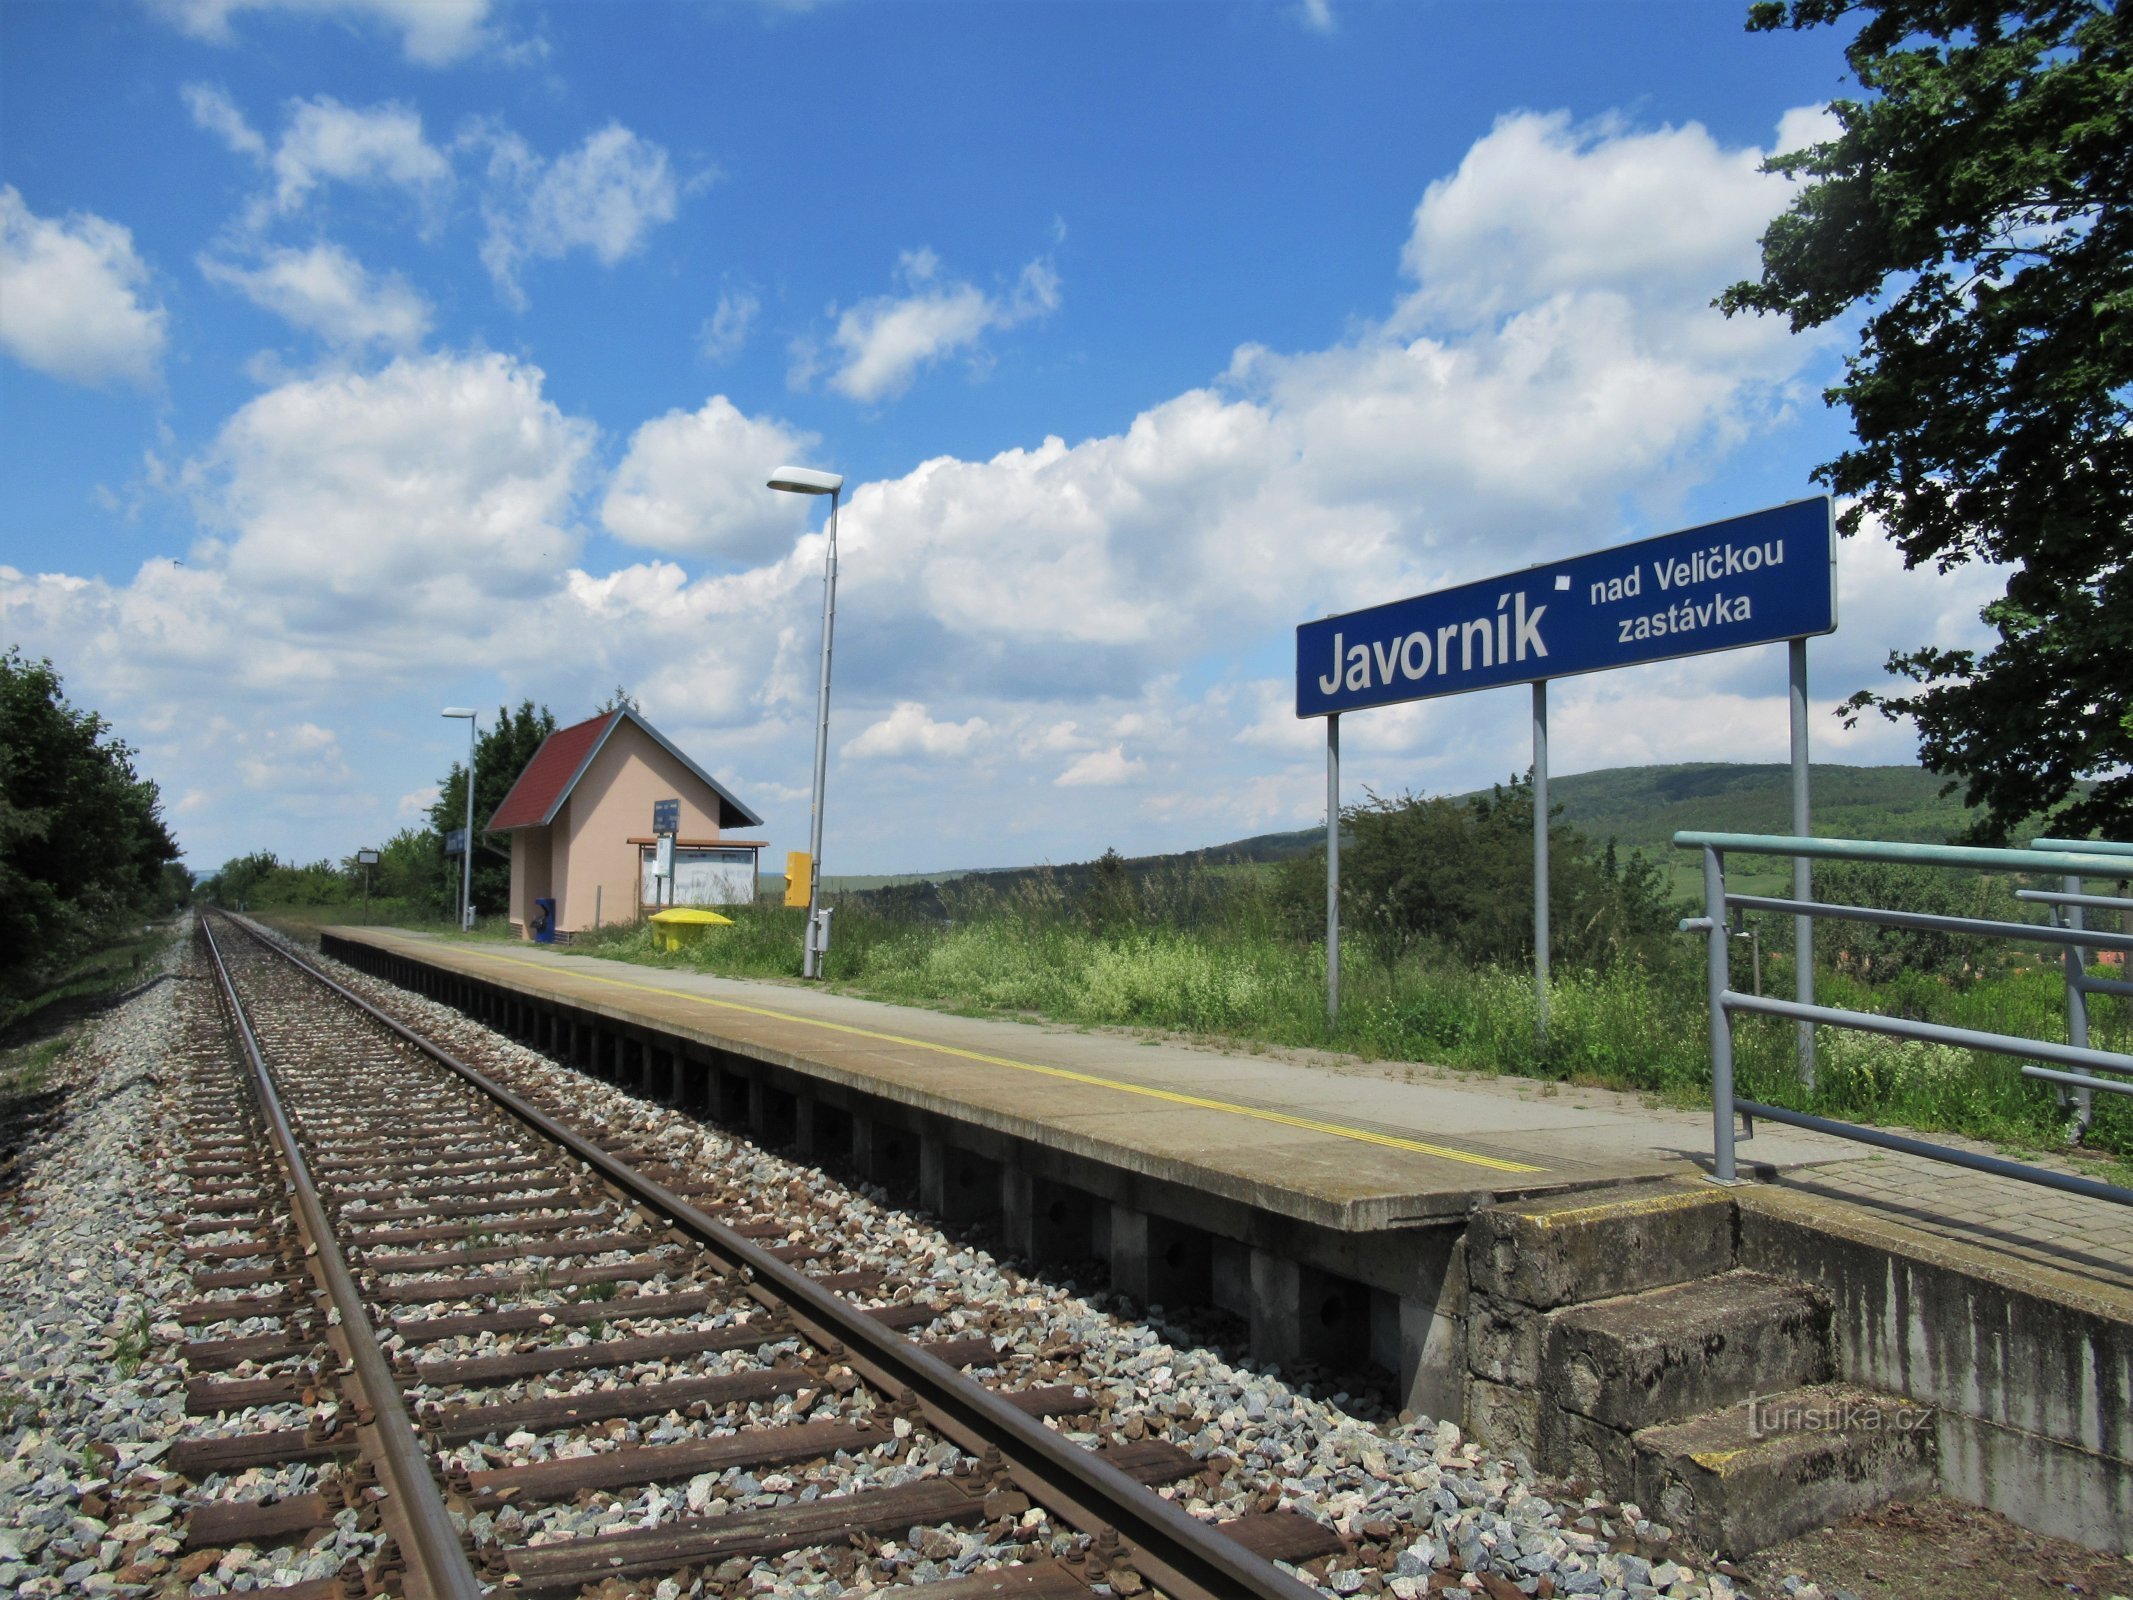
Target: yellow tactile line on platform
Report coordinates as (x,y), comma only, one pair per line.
(1309,1124)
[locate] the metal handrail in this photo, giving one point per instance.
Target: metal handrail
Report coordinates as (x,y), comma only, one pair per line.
(2106,847)
(2094,862)
(2070,860)
(2067,907)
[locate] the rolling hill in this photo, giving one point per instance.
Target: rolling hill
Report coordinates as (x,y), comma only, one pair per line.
(1640,808)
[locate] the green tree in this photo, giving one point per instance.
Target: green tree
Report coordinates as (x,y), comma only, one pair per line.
(1458,875)
(1110,901)
(1977,208)
(241,879)
(411,869)
(500,755)
(82,840)
(1881,954)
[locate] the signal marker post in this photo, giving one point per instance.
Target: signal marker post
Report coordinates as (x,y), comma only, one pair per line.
(366,859)
(1755,579)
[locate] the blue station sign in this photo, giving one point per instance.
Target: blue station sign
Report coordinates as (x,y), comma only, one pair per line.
(1754,579)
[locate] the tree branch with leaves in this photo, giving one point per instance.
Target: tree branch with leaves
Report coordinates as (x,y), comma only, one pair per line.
(1976,209)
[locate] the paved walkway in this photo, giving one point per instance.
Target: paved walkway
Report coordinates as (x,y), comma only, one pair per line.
(1333,1127)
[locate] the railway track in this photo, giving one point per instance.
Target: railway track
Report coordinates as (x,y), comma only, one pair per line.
(437,1322)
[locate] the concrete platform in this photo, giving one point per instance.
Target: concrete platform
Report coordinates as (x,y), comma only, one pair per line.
(1347,1150)
(1426,1221)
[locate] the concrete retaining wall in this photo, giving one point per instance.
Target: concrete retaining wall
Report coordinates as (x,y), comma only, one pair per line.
(2031,1371)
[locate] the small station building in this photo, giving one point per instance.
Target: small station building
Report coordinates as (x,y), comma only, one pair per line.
(581,821)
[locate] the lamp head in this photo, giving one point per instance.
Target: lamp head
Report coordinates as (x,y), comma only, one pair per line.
(457,711)
(806,480)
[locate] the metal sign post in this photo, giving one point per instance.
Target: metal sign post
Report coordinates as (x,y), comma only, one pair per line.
(1540,858)
(666,823)
(1755,579)
(366,859)
(1803,926)
(1333,868)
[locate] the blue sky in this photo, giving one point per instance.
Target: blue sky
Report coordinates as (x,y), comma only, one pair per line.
(363,356)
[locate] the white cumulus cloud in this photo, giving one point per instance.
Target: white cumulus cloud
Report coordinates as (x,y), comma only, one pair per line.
(1112,612)
(433,33)
(696,483)
(374,145)
(326,291)
(214,110)
(1101,769)
(374,503)
(882,342)
(908,731)
(725,331)
(1543,206)
(604,197)
(73,297)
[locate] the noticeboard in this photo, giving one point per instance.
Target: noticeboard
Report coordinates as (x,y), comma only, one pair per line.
(1753,579)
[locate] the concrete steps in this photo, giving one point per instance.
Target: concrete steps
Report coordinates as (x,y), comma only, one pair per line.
(1616,1342)
(1670,1353)
(1750,1476)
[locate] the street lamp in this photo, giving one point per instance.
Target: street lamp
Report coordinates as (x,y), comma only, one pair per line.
(466,845)
(806,480)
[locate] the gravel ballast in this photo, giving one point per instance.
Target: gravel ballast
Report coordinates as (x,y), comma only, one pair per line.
(94,1393)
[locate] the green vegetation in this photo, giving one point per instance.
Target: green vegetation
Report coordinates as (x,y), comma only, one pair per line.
(83,849)
(414,883)
(1971,216)
(84,985)
(1436,947)
(500,755)
(1456,876)
(1632,807)
(1432,974)
(133,1343)
(1638,808)
(26,1071)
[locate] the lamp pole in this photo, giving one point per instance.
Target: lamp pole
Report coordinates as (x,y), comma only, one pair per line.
(806,480)
(466,845)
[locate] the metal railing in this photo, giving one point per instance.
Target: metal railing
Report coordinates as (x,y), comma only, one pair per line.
(2069,906)
(2074,1065)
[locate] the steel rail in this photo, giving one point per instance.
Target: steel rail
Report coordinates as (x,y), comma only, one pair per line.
(1172,1549)
(404,1464)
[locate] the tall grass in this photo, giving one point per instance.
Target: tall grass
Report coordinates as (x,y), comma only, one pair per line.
(1212,958)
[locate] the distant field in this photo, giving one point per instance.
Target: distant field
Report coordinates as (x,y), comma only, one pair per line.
(1640,808)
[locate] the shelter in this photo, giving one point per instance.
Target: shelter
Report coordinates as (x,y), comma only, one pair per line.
(581,821)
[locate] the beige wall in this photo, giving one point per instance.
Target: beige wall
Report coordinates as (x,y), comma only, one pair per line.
(531,873)
(611,805)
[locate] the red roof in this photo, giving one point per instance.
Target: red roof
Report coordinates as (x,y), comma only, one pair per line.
(551,773)
(566,753)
